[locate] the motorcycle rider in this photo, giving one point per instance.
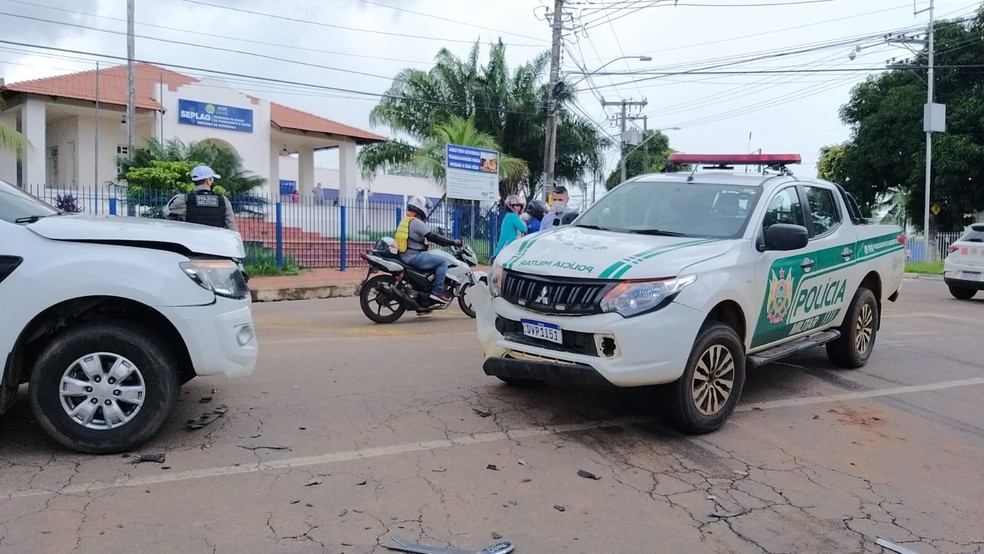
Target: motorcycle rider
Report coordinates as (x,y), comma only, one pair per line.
(413,238)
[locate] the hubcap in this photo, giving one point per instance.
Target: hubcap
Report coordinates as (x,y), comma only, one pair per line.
(102,391)
(714,379)
(864,328)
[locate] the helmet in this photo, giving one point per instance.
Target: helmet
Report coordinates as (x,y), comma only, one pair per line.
(420,205)
(537,209)
(386,245)
(513,199)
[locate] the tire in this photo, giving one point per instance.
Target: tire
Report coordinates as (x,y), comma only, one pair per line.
(858,332)
(702,399)
(466,305)
(84,359)
(961,293)
(377,304)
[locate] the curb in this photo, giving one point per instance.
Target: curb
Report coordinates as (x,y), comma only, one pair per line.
(302,293)
(923,276)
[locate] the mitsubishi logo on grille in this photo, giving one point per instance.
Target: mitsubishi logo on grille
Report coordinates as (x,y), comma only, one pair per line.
(543,298)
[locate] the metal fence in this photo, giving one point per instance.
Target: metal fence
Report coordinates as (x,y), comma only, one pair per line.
(313,231)
(916,249)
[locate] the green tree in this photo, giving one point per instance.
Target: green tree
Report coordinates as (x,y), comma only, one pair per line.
(10,139)
(656,149)
(510,106)
(225,162)
(885,156)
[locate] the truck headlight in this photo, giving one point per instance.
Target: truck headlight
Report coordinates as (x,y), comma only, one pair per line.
(222,277)
(633,298)
(496,277)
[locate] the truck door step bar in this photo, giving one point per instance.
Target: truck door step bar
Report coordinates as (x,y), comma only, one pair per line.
(783,350)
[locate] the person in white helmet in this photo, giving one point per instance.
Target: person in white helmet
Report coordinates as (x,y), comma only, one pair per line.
(413,238)
(202,205)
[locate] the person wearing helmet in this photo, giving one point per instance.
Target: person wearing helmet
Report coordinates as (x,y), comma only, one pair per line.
(413,238)
(535,210)
(202,205)
(512,225)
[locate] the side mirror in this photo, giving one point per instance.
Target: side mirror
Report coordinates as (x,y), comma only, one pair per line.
(783,236)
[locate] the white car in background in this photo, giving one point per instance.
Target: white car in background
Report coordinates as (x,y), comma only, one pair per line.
(963,270)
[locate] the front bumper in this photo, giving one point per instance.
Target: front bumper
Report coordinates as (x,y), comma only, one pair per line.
(649,349)
(220,337)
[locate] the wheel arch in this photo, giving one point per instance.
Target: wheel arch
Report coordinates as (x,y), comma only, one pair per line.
(872,281)
(57,317)
(730,313)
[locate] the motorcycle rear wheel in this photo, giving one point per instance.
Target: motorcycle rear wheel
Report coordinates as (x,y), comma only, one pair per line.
(377,304)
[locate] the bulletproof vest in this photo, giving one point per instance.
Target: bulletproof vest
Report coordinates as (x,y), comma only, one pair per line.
(204,207)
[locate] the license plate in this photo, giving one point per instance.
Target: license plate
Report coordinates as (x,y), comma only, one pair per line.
(543,331)
(972,275)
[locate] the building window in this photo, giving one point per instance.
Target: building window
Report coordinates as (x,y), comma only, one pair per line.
(52,169)
(121,152)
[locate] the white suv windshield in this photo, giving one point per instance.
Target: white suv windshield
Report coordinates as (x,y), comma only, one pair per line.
(18,206)
(684,209)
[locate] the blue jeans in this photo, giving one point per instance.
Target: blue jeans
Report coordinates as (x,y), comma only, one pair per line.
(426,261)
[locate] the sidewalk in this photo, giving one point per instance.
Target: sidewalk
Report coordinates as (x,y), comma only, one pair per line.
(332,283)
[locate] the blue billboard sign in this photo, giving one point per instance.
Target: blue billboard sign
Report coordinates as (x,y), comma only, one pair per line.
(205,114)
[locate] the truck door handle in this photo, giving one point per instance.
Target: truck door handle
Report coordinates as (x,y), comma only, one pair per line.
(847,253)
(808,264)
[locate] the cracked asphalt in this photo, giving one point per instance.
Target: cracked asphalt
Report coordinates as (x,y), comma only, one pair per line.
(348,433)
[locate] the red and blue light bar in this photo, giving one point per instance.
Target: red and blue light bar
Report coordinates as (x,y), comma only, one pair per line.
(735,159)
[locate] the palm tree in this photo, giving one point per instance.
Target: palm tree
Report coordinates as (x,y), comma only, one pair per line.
(508,106)
(223,161)
(10,139)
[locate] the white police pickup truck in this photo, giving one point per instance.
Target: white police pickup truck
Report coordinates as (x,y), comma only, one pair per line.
(687,278)
(105,318)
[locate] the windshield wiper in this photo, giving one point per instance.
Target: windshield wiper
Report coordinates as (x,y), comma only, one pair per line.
(599,228)
(30,218)
(658,232)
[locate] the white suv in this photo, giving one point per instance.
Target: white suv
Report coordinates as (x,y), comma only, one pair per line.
(106,317)
(963,269)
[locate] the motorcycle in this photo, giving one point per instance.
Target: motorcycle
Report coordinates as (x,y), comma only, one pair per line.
(391,286)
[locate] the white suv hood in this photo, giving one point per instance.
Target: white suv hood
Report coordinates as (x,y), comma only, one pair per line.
(588,253)
(139,231)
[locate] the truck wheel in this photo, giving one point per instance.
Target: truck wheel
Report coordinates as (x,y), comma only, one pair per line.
(707,392)
(104,387)
(858,332)
(961,293)
(378,304)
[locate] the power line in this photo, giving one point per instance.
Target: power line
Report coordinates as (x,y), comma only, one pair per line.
(227,37)
(341,27)
(448,19)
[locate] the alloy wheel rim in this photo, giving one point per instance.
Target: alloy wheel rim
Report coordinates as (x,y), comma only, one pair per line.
(102,391)
(714,380)
(382,300)
(864,328)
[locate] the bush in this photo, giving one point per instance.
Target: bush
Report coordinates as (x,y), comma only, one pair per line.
(262,262)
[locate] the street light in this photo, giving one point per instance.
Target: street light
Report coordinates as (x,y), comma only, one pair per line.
(550,150)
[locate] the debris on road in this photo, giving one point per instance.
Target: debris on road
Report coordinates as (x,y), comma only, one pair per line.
(496,536)
(482,413)
(207,418)
(587,475)
(522,462)
(313,483)
(205,400)
(263,447)
(155,458)
(361,483)
(560,508)
(342,514)
(722,513)
(885,543)
(402,544)
(493,467)
(742,473)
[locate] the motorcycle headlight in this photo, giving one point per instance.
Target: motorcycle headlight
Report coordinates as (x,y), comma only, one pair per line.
(495,279)
(633,298)
(222,277)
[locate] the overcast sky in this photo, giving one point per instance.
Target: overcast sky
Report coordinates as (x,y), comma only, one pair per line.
(784,112)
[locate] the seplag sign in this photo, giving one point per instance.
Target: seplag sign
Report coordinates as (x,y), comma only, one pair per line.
(472,173)
(204,114)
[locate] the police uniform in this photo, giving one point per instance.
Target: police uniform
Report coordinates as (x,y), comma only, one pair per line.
(202,205)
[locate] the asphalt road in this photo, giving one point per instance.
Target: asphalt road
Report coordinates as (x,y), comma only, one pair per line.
(349,433)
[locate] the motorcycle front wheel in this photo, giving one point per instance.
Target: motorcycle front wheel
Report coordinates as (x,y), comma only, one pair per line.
(378,304)
(465,301)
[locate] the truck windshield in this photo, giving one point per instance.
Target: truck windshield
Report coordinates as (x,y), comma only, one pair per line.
(674,209)
(18,206)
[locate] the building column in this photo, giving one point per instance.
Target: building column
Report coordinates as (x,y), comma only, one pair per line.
(305,171)
(273,179)
(33,127)
(348,171)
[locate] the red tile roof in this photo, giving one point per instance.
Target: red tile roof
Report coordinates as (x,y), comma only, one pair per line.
(289,118)
(112,90)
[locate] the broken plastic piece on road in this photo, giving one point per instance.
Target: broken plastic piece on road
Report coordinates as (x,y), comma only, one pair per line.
(208,417)
(405,545)
(263,447)
(722,513)
(482,413)
(156,458)
(885,543)
(587,475)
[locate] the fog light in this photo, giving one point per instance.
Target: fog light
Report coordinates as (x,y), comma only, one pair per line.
(244,335)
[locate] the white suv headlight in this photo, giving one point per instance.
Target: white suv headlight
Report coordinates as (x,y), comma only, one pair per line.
(222,277)
(633,298)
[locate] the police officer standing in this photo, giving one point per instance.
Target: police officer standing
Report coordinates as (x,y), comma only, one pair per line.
(202,205)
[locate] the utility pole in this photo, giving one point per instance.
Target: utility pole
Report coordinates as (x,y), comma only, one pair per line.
(131,110)
(622,116)
(550,148)
(930,256)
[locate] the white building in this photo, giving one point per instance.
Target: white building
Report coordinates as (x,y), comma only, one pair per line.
(76,126)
